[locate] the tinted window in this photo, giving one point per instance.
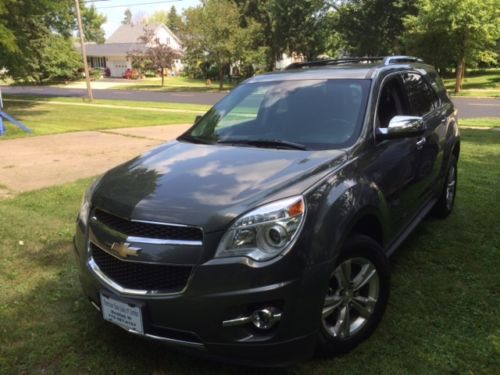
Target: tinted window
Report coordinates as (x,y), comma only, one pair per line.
(392,102)
(420,94)
(318,114)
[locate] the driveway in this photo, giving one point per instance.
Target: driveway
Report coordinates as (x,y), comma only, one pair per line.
(467,108)
(37,162)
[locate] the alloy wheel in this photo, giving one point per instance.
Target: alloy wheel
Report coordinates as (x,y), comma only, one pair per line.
(351,298)
(451,185)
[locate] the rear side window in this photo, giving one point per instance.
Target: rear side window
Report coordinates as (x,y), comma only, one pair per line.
(421,96)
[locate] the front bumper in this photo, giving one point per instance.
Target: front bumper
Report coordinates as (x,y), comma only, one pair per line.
(223,289)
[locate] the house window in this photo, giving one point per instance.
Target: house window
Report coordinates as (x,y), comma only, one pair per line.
(97,62)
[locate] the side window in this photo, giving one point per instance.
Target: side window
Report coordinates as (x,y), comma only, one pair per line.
(421,96)
(392,102)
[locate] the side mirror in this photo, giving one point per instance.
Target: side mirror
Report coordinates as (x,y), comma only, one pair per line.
(402,127)
(197,119)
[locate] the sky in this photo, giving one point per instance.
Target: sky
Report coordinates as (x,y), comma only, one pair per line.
(114,9)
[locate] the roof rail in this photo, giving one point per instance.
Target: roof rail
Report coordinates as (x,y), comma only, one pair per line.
(387,60)
(343,60)
(401,59)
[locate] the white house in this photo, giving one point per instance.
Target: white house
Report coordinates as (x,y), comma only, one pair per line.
(113,54)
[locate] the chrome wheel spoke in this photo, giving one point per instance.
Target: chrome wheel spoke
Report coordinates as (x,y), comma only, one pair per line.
(364,306)
(343,274)
(332,303)
(345,322)
(364,276)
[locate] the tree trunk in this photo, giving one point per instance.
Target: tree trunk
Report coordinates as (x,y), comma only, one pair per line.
(459,74)
(221,76)
(463,74)
(162,77)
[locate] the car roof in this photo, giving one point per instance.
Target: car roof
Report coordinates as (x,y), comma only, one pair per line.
(341,71)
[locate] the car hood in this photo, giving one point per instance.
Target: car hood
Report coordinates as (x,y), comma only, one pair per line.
(208,185)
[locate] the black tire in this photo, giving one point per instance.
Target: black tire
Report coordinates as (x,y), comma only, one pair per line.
(444,206)
(357,247)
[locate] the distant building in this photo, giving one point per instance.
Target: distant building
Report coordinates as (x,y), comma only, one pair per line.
(127,38)
(287,60)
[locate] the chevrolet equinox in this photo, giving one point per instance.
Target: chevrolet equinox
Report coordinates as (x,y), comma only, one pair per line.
(262,234)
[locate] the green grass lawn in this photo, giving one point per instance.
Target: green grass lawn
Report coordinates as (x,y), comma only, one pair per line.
(442,317)
(484,122)
(484,83)
(174,84)
(48,116)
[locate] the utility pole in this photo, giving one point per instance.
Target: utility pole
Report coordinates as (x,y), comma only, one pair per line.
(84,54)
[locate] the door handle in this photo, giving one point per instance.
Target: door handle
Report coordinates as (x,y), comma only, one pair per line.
(421,143)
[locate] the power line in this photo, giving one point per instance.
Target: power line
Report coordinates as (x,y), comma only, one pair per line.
(137,4)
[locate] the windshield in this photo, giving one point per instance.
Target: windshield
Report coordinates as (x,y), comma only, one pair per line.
(302,114)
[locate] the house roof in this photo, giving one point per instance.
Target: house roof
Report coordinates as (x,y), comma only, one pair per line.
(130,33)
(113,49)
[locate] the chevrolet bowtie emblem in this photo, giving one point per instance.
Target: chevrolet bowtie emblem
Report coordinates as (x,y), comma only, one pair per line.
(125,250)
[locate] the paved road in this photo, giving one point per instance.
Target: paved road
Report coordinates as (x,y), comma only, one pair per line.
(208,98)
(468,108)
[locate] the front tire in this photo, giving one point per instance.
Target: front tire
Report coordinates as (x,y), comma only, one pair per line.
(356,298)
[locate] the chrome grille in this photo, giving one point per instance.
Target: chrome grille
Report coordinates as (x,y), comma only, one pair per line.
(148,230)
(141,276)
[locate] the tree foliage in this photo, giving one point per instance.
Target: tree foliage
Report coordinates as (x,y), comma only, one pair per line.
(371,27)
(36,34)
(453,32)
(157,55)
(286,26)
(214,35)
(127,17)
(171,19)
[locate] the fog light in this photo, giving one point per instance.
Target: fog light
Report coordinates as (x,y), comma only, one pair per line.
(266,318)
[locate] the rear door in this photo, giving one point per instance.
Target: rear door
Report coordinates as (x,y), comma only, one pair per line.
(425,103)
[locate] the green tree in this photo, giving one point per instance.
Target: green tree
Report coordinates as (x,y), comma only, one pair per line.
(287,26)
(92,24)
(29,29)
(214,35)
(156,56)
(457,32)
(127,17)
(58,59)
(371,27)
(171,18)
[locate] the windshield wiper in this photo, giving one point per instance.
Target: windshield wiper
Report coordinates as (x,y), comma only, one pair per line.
(191,139)
(273,143)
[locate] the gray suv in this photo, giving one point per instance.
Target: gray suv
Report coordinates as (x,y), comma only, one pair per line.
(262,234)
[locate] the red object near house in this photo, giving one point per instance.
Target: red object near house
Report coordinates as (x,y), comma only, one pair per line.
(131,74)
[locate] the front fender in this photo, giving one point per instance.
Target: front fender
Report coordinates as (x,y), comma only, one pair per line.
(336,206)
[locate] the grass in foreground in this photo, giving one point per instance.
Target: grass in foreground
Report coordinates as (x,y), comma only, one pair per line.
(174,84)
(442,316)
(44,116)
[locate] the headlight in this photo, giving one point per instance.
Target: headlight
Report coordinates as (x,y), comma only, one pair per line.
(83,216)
(265,232)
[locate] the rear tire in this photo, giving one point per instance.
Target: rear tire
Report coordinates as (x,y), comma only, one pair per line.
(356,298)
(444,205)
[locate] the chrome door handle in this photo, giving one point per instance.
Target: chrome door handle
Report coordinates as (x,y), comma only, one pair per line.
(421,143)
